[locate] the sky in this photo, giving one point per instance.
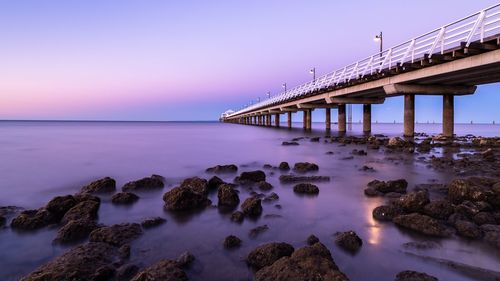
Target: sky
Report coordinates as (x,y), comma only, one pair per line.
(159,60)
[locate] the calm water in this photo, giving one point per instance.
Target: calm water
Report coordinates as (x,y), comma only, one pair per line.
(40,160)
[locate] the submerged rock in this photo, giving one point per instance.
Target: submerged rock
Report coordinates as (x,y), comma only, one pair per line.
(153,182)
(271,197)
(348,241)
(116,235)
(86,210)
(33,219)
(214,182)
(237,217)
(167,270)
(183,198)
(386,212)
(264,186)
(252,207)
(423,224)
(467,229)
(439,209)
(124,198)
(304,167)
(251,177)
(288,143)
(231,242)
(59,205)
(185,259)
(152,222)
(284,166)
(267,254)
(398,186)
(75,230)
(104,185)
(413,201)
(306,263)
(219,169)
(228,196)
(306,188)
(196,184)
(254,232)
(295,178)
(409,275)
(312,239)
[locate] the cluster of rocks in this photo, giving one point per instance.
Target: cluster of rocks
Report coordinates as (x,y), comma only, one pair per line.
(393,188)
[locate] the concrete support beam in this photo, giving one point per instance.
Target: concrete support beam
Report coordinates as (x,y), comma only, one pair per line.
(342,100)
(328,120)
(289,121)
(312,106)
(448,115)
(367,118)
(285,109)
(409,116)
(342,118)
(414,89)
(277,120)
(308,113)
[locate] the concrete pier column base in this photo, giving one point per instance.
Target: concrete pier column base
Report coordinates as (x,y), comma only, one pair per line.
(328,120)
(367,118)
(342,118)
(304,119)
(277,120)
(289,121)
(448,115)
(308,119)
(409,116)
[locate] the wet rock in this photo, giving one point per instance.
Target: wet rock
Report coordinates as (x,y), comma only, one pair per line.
(467,209)
(104,273)
(372,192)
(386,212)
(153,182)
(116,235)
(423,224)
(359,152)
(393,195)
(168,270)
(254,232)
(267,166)
(409,275)
(267,254)
(460,190)
(124,251)
(304,167)
(367,169)
(33,219)
(251,177)
(237,217)
(439,209)
(228,196)
(152,222)
(493,238)
(424,245)
(124,198)
(467,229)
(231,242)
(288,143)
(185,259)
(414,201)
(314,139)
(59,205)
(86,210)
(220,169)
(348,241)
(265,186)
(214,182)
(3,220)
(272,216)
(75,265)
(196,184)
(284,166)
(312,239)
(304,264)
(252,207)
(80,197)
(75,230)
(271,197)
(295,178)
(484,218)
(389,186)
(104,185)
(6,211)
(396,142)
(306,188)
(183,198)
(126,272)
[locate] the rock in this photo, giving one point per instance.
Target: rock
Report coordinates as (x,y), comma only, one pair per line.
(75,231)
(389,186)
(183,198)
(124,198)
(396,142)
(372,192)
(267,166)
(439,209)
(126,272)
(304,167)
(196,184)
(386,212)
(124,251)
(306,188)
(214,182)
(312,239)
(252,207)
(467,209)
(152,222)
(80,197)
(284,166)
(484,218)
(3,220)
(409,275)
(231,242)
(359,152)
(288,143)
(414,201)
(251,177)
(153,182)
(314,139)
(460,190)
(59,205)
(86,210)
(228,196)
(237,217)
(167,270)
(220,169)
(467,229)
(423,224)
(367,169)
(307,263)
(185,259)
(267,254)
(393,195)
(493,238)
(349,241)
(271,197)
(104,185)
(295,178)
(258,230)
(424,245)
(116,235)
(33,219)
(264,186)
(79,263)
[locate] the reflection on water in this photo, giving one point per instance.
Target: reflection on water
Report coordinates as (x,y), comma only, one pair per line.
(42,159)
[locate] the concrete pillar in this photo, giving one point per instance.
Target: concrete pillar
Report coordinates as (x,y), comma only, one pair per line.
(342,118)
(277,120)
(268,123)
(260,120)
(328,120)
(308,119)
(409,116)
(367,118)
(289,120)
(304,119)
(448,115)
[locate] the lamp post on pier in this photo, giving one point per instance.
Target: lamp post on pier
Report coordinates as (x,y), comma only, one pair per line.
(284,86)
(379,38)
(313,72)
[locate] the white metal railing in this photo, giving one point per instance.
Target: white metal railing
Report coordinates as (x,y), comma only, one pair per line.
(475,27)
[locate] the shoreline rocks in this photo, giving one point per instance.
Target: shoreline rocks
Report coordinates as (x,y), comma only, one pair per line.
(153,182)
(116,235)
(104,185)
(252,207)
(221,169)
(294,178)
(124,198)
(348,241)
(306,188)
(267,254)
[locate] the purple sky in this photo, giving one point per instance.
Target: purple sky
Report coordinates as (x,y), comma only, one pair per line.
(192,60)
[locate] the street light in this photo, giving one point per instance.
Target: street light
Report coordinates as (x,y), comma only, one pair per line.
(268,95)
(379,38)
(258,99)
(313,72)
(284,86)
